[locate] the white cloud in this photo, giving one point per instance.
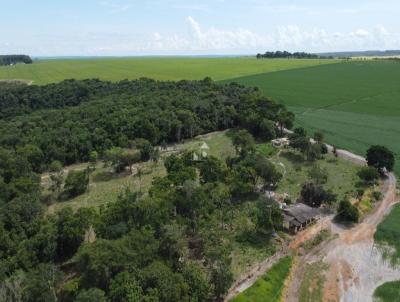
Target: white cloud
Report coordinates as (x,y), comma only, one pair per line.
(197,39)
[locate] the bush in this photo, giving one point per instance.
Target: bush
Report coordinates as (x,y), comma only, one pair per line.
(369,175)
(347,212)
(76,183)
(315,195)
(380,157)
(376,195)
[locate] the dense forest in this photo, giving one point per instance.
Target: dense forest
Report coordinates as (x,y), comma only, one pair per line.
(166,245)
(14,59)
(288,55)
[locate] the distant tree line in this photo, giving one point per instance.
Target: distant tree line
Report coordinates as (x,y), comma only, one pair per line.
(14,59)
(288,55)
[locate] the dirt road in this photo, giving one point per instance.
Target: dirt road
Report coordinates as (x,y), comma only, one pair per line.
(356,267)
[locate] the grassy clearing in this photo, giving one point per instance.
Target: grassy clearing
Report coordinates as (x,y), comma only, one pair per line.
(355,104)
(387,235)
(342,175)
(105,186)
(173,68)
(311,288)
(268,288)
(388,292)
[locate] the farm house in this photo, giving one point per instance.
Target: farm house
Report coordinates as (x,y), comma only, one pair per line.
(298,217)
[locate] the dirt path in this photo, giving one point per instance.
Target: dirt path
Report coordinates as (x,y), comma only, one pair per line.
(356,266)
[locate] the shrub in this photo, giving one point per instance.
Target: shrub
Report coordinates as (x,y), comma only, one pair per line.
(347,212)
(369,175)
(76,183)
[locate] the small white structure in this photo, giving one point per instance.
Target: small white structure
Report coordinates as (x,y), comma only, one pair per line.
(280,142)
(203,150)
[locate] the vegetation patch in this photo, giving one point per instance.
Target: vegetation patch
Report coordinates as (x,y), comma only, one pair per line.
(311,288)
(387,235)
(388,292)
(268,288)
(318,239)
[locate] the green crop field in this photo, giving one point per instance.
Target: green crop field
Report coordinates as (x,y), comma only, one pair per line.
(114,69)
(356,104)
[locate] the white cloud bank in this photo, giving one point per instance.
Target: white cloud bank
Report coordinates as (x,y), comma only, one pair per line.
(290,37)
(198,40)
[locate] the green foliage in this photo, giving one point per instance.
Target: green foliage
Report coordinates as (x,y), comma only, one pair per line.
(369,175)
(315,195)
(91,295)
(268,216)
(380,157)
(41,283)
(388,292)
(270,286)
(318,174)
(387,234)
(243,142)
(76,183)
(125,288)
(347,212)
(14,59)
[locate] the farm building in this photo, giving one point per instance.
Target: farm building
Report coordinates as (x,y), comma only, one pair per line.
(297,217)
(280,142)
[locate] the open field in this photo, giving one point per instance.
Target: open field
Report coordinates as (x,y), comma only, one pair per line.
(172,68)
(356,104)
(268,288)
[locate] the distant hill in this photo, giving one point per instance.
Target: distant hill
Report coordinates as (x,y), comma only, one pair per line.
(368,53)
(14,59)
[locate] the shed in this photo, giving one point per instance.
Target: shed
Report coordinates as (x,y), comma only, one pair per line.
(298,217)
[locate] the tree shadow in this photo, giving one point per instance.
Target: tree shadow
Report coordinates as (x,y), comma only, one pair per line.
(105,176)
(294,158)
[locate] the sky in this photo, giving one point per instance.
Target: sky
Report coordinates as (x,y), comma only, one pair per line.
(194,27)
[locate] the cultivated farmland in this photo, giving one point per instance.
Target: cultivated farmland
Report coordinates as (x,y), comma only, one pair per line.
(356,104)
(115,69)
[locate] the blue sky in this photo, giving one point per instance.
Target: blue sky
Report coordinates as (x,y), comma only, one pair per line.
(178,27)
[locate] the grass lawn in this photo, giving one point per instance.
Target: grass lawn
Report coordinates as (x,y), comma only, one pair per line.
(172,68)
(388,235)
(269,287)
(356,104)
(388,292)
(342,175)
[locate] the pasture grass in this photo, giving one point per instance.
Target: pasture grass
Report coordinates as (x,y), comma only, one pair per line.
(387,236)
(388,292)
(169,68)
(342,175)
(355,104)
(269,287)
